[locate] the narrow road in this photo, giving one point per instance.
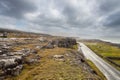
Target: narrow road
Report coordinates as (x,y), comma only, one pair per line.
(109,71)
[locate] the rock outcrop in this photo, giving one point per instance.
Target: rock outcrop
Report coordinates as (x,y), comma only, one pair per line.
(11,62)
(64,42)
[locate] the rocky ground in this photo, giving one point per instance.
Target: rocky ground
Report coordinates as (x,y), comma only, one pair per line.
(43,58)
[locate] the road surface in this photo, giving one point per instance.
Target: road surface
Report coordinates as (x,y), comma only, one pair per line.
(109,71)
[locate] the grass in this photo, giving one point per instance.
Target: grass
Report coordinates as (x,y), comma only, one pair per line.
(105,51)
(50,69)
(75,47)
(117,61)
(99,73)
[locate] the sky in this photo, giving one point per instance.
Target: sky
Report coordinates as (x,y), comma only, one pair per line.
(77,18)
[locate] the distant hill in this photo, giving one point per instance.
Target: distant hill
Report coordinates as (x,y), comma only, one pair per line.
(18,33)
(90,40)
(99,41)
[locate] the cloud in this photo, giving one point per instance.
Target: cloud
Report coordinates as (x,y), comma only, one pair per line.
(16,8)
(85,18)
(113,20)
(108,6)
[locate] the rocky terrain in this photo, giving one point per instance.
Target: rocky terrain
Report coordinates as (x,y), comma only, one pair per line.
(42,57)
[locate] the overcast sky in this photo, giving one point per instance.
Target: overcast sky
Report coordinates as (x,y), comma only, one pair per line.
(81,18)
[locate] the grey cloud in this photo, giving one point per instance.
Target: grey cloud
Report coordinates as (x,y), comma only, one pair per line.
(16,8)
(113,20)
(93,18)
(72,16)
(108,6)
(109,10)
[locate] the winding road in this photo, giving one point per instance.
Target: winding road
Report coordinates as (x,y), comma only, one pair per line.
(109,71)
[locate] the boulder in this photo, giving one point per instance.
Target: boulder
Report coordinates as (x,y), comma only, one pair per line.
(2,77)
(1,64)
(13,71)
(1,52)
(16,71)
(38,47)
(65,42)
(48,46)
(59,57)
(31,60)
(11,65)
(34,51)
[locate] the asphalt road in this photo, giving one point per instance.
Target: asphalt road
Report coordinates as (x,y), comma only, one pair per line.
(109,71)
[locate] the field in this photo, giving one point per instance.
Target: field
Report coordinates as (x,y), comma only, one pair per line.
(40,62)
(51,69)
(108,52)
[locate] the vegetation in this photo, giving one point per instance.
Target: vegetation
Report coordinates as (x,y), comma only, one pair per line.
(47,68)
(75,47)
(50,69)
(107,52)
(96,70)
